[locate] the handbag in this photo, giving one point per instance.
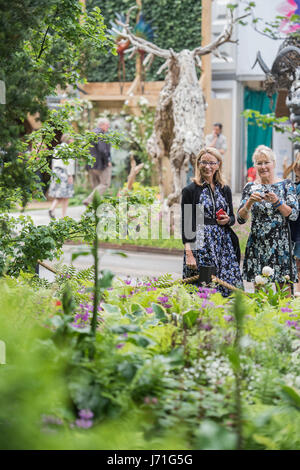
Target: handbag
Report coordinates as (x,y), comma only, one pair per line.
(236,244)
(204,275)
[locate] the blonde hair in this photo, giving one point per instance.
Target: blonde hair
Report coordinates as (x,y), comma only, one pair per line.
(218,176)
(263,150)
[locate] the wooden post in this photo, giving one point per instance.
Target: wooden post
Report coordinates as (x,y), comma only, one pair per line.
(136,86)
(205,79)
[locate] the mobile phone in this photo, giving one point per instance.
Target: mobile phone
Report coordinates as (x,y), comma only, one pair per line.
(219,213)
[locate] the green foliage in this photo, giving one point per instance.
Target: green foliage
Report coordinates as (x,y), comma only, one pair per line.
(178,26)
(141,128)
(43,45)
(166,367)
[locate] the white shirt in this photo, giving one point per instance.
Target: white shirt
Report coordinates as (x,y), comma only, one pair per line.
(59,163)
(221,142)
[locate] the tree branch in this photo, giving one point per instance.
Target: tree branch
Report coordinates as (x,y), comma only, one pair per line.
(225,36)
(140,43)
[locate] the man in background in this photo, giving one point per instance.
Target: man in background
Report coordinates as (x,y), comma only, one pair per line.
(217,139)
(100,173)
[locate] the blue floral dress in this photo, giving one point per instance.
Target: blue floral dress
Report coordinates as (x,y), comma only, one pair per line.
(214,246)
(268,242)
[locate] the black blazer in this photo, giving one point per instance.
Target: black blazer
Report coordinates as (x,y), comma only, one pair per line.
(191,195)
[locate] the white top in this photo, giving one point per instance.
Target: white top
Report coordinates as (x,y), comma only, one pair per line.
(59,163)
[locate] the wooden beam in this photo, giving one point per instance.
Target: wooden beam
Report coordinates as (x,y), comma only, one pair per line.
(205,80)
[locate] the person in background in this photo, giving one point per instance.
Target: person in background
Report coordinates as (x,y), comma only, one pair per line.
(63,189)
(251,174)
(295,226)
(216,139)
(272,203)
(100,173)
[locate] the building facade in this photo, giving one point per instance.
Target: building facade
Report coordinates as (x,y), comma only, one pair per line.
(237,85)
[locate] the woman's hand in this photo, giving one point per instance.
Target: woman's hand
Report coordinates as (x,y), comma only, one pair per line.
(271,197)
(190,260)
(255,197)
(70,179)
(223,220)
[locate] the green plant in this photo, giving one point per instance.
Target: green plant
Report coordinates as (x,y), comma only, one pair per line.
(141,128)
(48,50)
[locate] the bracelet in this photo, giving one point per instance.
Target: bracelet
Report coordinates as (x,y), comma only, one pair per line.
(277,204)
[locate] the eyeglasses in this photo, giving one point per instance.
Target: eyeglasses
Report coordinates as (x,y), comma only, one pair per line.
(262,163)
(208,163)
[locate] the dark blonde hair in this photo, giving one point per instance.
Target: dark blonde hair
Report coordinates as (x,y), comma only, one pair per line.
(218,176)
(292,167)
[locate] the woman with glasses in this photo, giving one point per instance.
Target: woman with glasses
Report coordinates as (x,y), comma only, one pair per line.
(208,238)
(271,202)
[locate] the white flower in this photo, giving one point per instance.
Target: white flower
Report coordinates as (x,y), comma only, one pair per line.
(267,271)
(287,277)
(260,280)
(143,101)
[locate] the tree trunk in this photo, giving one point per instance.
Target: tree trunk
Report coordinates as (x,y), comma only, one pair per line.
(179,120)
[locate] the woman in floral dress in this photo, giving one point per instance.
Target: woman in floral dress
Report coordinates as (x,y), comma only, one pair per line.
(61,186)
(212,244)
(272,202)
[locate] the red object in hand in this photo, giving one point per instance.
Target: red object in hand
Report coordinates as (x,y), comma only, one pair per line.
(219,213)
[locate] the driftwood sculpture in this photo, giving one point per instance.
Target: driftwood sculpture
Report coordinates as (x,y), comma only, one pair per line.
(134,170)
(180,114)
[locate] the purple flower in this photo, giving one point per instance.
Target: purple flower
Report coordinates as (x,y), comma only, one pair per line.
(207,327)
(128,281)
(163,299)
(290,323)
(149,310)
(84,423)
(286,309)
(167,305)
(86,414)
(122,296)
(202,295)
(228,317)
(120,345)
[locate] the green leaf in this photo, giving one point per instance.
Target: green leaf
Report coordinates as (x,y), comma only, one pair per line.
(140,340)
(265,441)
(111,309)
(159,312)
(79,253)
(118,253)
(137,310)
(291,395)
(190,317)
(234,358)
(121,329)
